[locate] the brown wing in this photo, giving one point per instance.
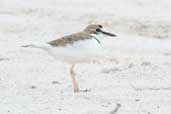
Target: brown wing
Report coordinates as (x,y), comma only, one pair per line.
(70,39)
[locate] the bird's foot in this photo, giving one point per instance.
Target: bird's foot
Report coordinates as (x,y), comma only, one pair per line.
(84,90)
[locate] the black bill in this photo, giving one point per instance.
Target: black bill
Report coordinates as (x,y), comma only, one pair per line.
(107,33)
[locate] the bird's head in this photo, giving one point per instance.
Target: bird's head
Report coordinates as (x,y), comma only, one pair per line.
(97,29)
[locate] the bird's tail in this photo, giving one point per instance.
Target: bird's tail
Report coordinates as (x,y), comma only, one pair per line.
(43,46)
(31,45)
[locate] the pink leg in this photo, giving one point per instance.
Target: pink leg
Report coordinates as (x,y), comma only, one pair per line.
(74,82)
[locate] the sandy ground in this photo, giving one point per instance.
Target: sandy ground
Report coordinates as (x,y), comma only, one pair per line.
(137,74)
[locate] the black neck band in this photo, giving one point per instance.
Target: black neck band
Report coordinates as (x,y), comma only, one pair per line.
(95,39)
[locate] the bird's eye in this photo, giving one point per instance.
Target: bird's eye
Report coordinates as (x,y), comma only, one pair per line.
(100,26)
(98,30)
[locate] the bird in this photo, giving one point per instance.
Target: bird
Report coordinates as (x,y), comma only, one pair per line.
(76,47)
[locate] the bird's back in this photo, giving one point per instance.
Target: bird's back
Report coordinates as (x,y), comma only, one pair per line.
(70,39)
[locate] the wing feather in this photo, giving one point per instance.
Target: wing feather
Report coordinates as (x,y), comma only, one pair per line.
(70,39)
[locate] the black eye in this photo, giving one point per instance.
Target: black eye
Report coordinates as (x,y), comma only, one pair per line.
(98,30)
(100,26)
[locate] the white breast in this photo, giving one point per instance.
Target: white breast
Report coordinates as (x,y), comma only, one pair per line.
(80,51)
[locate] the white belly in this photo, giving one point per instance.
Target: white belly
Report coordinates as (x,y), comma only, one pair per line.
(81,51)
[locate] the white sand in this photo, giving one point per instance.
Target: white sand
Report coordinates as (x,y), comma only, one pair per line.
(137,74)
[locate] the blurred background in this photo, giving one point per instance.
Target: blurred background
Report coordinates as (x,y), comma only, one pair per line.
(138,76)
(33,19)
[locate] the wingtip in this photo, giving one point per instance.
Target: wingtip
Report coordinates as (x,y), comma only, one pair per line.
(26,46)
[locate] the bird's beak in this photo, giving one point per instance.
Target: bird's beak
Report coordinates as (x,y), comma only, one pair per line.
(107,33)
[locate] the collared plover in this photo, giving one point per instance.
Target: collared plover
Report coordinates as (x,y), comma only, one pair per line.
(79,46)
